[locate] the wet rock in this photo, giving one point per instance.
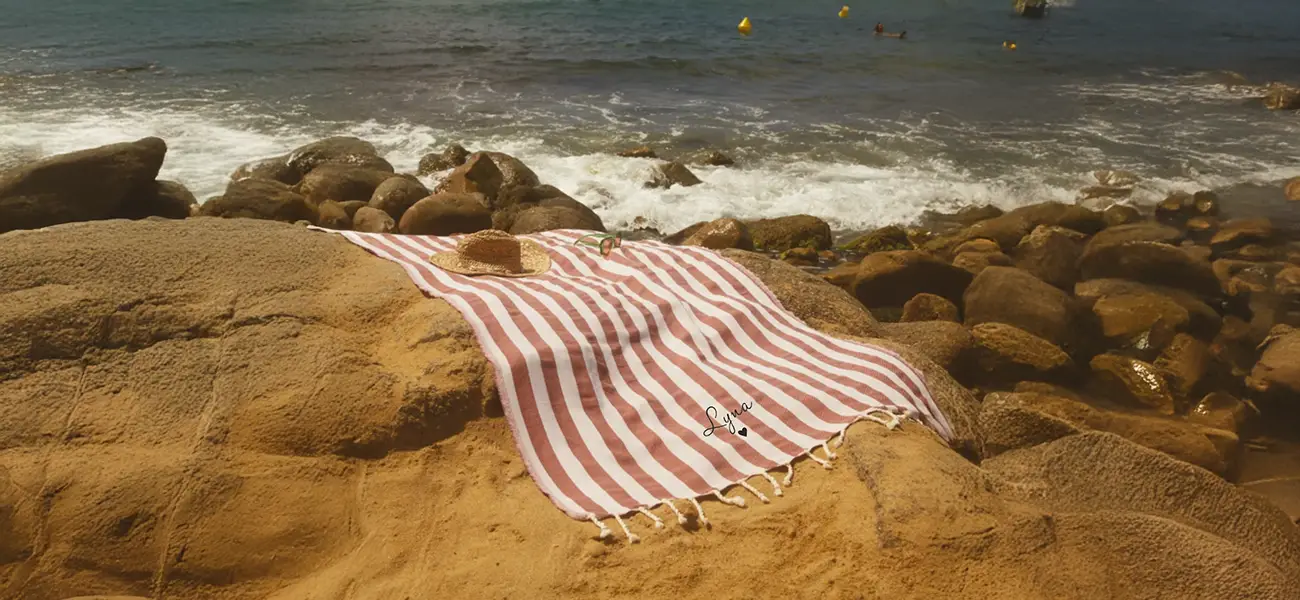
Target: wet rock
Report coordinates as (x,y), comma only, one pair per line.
(1148,262)
(1184,364)
(722,233)
(86,185)
(1282,97)
(943,342)
(550,218)
(892,278)
(1132,381)
(1205,203)
(980,245)
(1134,232)
(447,214)
(529,195)
(1287,281)
(343,151)
(1143,322)
(1241,278)
(1051,254)
(669,174)
(684,233)
(638,152)
(1116,178)
(795,231)
(1278,368)
(332,216)
(1201,224)
(1241,232)
(1015,297)
(1175,206)
(260,199)
(1058,214)
(714,158)
(275,168)
(962,218)
(341,182)
(1222,410)
(514,173)
(929,307)
(169,200)
(1120,214)
(1007,354)
(1007,230)
(1253,253)
(352,206)
(479,175)
(1292,189)
(453,156)
(890,237)
(842,276)
(976,262)
(369,219)
(1204,321)
(396,194)
(801,257)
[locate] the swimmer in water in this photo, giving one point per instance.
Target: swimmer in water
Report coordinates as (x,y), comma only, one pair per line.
(880,30)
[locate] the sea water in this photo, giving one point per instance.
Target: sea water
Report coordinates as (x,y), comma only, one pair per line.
(822,116)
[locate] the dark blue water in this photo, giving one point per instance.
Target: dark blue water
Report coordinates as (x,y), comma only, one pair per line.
(824,117)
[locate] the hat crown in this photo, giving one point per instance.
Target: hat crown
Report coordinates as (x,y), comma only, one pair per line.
(493,247)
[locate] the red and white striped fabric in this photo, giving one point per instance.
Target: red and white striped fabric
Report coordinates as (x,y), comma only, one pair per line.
(607,369)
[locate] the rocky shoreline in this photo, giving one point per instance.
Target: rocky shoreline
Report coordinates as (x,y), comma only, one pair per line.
(1115,377)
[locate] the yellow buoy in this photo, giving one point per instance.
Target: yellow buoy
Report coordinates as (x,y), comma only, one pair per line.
(844,12)
(744,26)
(1009,45)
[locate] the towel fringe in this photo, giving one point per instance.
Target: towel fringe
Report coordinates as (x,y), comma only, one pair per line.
(604,531)
(632,538)
(734,500)
(681,519)
(699,510)
(824,463)
(827,449)
(754,491)
(789,475)
(659,523)
(776,487)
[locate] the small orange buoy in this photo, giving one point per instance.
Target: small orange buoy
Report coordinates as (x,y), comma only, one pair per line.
(1009,45)
(844,12)
(744,26)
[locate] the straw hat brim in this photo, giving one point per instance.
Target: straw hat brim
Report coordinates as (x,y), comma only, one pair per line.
(532,256)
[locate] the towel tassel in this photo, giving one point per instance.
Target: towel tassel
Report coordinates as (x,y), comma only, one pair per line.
(789,475)
(659,523)
(632,538)
(699,510)
(776,487)
(681,519)
(754,491)
(734,500)
(604,531)
(824,463)
(829,454)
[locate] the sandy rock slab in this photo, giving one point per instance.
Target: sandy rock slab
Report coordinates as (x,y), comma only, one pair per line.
(239,409)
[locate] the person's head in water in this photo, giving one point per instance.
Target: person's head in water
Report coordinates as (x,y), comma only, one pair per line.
(880,28)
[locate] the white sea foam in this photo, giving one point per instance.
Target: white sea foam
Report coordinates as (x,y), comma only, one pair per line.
(205,147)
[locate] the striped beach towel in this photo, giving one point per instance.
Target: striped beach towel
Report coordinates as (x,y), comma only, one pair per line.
(659,372)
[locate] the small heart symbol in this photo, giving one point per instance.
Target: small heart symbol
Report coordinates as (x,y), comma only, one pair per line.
(744,431)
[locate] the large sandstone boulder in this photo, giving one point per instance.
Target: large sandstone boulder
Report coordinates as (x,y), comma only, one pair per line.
(1133,232)
(892,278)
(1204,321)
(1212,449)
(549,218)
(396,194)
(203,408)
(1143,322)
(260,199)
(514,173)
(369,219)
(446,214)
(795,231)
(946,343)
(1015,297)
(1149,262)
(1006,354)
(87,185)
(720,234)
(820,304)
(341,150)
(341,183)
(169,200)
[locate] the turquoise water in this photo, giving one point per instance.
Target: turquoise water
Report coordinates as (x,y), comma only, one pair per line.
(823,116)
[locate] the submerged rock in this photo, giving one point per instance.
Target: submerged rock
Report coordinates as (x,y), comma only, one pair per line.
(638,152)
(668,174)
(1282,97)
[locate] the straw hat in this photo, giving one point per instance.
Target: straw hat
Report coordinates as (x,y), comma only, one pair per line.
(494,252)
